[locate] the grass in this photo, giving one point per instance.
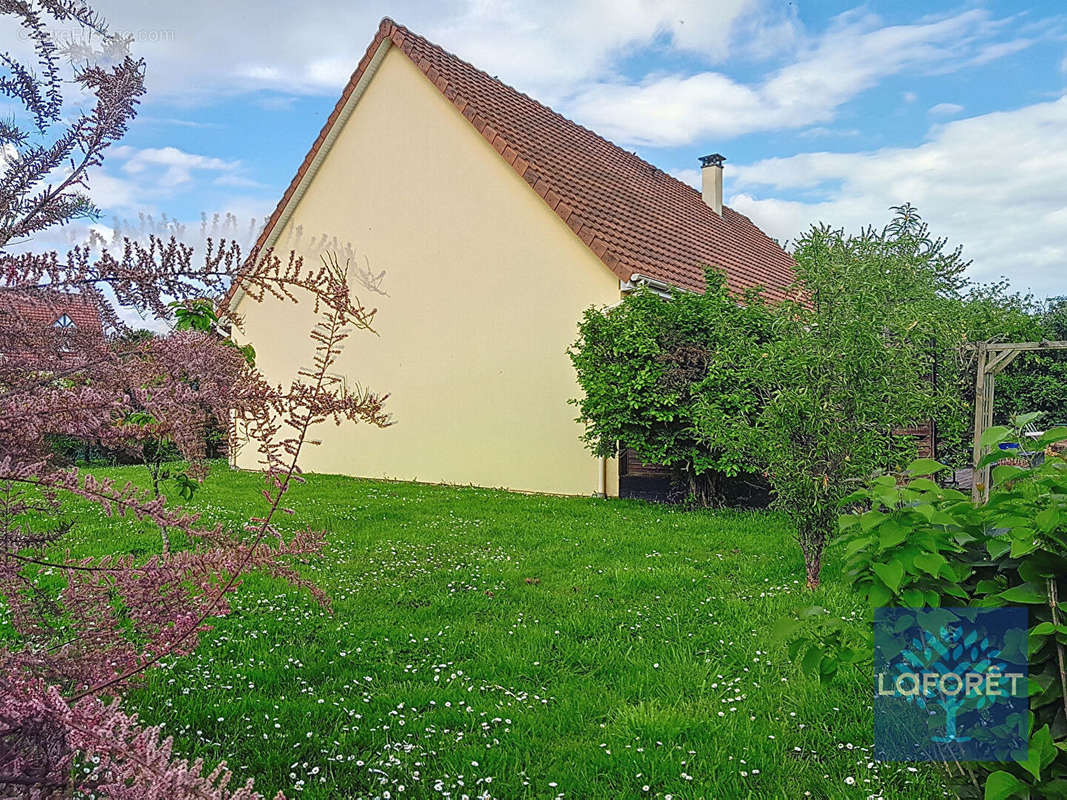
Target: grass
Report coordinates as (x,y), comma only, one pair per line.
(483,643)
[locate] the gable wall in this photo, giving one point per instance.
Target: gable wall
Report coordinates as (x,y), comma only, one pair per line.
(485,288)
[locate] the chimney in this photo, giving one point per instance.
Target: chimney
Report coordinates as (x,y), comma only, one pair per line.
(711,181)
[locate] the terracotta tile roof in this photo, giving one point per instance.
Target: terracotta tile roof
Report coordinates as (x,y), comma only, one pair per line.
(46,309)
(633,216)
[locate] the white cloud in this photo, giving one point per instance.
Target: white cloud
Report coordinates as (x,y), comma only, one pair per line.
(177,165)
(855,53)
(204,47)
(822,131)
(945,109)
(136,181)
(689,176)
(175,122)
(1000,50)
(547,47)
(113,192)
(8,154)
(993,183)
(239,181)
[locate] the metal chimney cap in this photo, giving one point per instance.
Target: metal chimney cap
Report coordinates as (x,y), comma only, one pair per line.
(714,160)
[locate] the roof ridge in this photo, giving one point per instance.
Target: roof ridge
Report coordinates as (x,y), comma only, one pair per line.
(502,144)
(633,215)
(630,154)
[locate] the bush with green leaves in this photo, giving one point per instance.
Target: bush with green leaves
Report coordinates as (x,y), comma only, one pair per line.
(914,543)
(807,393)
(847,363)
(1037,381)
(647,364)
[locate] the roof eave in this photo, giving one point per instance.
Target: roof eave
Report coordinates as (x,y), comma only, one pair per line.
(390,34)
(320,148)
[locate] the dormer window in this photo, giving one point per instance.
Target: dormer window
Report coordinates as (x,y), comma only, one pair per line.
(63,322)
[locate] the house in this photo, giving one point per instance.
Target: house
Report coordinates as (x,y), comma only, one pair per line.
(24,315)
(497,222)
(59,310)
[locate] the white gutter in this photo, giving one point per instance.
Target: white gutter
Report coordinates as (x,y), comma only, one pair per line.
(323,151)
(659,287)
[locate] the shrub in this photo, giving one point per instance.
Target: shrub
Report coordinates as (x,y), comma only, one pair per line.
(916,544)
(848,361)
(75,642)
(649,364)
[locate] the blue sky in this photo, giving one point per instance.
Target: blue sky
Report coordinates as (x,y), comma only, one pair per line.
(825,110)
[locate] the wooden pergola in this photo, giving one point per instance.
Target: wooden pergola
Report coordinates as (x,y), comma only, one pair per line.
(993,357)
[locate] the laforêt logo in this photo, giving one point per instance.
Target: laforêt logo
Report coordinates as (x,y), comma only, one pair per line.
(950,684)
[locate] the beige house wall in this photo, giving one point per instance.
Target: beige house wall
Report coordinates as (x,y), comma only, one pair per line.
(485,288)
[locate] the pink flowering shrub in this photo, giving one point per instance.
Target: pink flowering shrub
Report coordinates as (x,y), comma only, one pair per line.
(83,636)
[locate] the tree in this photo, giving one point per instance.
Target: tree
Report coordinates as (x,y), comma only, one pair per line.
(810,391)
(82,637)
(46,160)
(845,365)
(205,403)
(1035,381)
(646,365)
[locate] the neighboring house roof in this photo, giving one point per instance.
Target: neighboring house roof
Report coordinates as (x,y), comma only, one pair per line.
(633,216)
(52,309)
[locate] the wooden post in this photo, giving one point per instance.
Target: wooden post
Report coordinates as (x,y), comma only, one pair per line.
(992,359)
(982,475)
(977,487)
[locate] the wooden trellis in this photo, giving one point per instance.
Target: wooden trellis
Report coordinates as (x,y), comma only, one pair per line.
(992,359)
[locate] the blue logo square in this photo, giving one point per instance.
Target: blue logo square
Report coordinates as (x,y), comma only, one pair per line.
(950,684)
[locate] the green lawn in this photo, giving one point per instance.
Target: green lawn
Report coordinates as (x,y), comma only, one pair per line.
(518,646)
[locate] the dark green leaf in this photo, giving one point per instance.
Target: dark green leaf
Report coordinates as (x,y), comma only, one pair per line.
(812,659)
(891,574)
(1053,436)
(879,595)
(1025,593)
(930,562)
(1047,519)
(1005,472)
(995,435)
(1041,752)
(925,466)
(891,533)
(1022,420)
(912,598)
(1001,785)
